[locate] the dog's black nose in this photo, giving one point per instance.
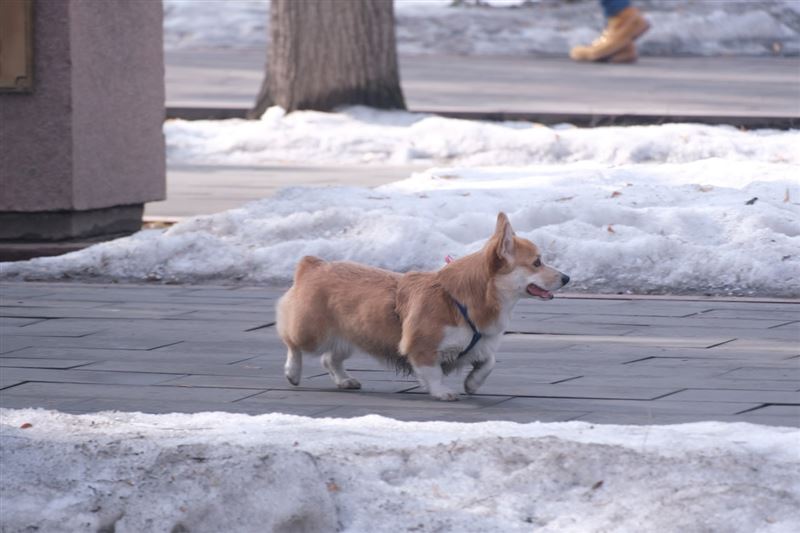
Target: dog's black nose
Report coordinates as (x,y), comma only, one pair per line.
(564,279)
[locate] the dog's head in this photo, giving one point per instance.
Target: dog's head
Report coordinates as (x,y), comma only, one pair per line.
(517,265)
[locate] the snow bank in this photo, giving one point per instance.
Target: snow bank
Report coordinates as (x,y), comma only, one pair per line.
(709,226)
(221,471)
(543,27)
(360,135)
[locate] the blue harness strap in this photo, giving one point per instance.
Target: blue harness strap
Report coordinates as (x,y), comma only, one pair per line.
(476,335)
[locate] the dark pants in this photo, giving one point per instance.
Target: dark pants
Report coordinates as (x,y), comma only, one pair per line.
(612,8)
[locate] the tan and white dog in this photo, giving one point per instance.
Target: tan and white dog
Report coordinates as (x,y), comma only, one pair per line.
(425,323)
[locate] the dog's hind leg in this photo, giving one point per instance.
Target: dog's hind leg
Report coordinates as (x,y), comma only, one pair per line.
(333,362)
(294,365)
(431,377)
(480,371)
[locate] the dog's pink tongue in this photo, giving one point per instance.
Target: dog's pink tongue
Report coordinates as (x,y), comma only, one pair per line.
(541,293)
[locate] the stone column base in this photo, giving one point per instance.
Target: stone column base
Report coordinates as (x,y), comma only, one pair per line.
(52,226)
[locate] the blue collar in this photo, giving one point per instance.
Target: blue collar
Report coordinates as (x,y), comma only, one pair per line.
(476,335)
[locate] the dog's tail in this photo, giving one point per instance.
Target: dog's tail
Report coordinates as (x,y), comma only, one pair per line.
(305,264)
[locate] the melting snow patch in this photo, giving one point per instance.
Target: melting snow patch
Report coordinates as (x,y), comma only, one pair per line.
(361,135)
(709,226)
(221,471)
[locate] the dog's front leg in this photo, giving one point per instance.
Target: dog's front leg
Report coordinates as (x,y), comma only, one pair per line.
(431,377)
(480,371)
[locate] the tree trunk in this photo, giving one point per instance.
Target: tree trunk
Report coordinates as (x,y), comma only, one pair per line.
(329,53)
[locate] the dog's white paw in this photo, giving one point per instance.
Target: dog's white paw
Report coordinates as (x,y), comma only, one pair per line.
(471,387)
(294,380)
(349,383)
(445,395)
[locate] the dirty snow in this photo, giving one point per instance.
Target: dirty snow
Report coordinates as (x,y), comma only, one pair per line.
(507,27)
(130,472)
(676,228)
(360,135)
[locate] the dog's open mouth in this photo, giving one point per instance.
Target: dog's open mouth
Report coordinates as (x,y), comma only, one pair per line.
(539,292)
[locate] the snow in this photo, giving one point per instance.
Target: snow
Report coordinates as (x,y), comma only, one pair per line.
(221,471)
(361,135)
(509,27)
(655,209)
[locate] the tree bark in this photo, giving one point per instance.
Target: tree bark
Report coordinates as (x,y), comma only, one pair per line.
(329,53)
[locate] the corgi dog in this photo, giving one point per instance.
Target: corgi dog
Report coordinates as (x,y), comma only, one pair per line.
(424,323)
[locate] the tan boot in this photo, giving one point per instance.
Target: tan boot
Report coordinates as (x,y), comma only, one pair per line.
(625,55)
(621,31)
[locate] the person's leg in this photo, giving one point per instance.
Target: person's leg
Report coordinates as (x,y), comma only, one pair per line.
(611,8)
(625,25)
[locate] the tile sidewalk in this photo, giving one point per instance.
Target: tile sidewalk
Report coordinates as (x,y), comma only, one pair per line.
(630,360)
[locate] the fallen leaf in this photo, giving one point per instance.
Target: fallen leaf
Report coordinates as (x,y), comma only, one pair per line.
(564,199)
(610,229)
(332,486)
(597,485)
(423,195)
(705,188)
(751,201)
(786,257)
(26,425)
(786,197)
(615,194)
(465,194)
(777,47)
(446,176)
(377,197)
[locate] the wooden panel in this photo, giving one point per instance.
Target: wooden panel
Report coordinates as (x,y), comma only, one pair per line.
(16,50)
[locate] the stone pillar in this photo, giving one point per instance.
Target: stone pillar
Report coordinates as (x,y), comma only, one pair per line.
(83,150)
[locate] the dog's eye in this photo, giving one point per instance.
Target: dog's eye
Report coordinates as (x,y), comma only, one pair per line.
(537,263)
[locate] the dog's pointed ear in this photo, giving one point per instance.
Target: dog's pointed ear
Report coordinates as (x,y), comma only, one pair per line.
(505,238)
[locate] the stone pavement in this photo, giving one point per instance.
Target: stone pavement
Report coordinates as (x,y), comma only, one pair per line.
(516,86)
(202,189)
(630,360)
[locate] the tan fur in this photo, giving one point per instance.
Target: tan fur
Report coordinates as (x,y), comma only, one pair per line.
(399,317)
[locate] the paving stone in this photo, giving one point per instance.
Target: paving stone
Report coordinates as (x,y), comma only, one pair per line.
(84,376)
(8,381)
(58,403)
(10,344)
(362,399)
(790,373)
(367,380)
(683,418)
(88,342)
(93,312)
(753,396)
(20,362)
(569,390)
(636,407)
(518,325)
(136,356)
(247,346)
(233,382)
(47,329)
(475,415)
(686,381)
(760,346)
(791,411)
(593,349)
(15,322)
(696,321)
(95,405)
(190,367)
(152,392)
(752,312)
